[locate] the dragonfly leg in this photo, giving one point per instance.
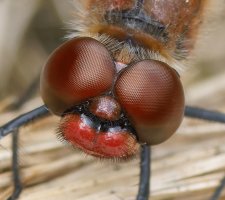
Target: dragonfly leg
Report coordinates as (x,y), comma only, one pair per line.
(23,120)
(145,174)
(15,166)
(200,113)
(217,193)
(215,116)
(13,128)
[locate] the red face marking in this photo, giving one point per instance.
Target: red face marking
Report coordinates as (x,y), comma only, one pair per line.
(115,142)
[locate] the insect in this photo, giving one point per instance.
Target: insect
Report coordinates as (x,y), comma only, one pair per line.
(120,76)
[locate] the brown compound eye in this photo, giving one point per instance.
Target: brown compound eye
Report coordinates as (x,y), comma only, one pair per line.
(79,69)
(151,94)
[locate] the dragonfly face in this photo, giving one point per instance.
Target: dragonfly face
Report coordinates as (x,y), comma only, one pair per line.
(116,85)
(115,82)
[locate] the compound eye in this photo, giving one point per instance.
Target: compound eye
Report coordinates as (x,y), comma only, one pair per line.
(79,69)
(152,96)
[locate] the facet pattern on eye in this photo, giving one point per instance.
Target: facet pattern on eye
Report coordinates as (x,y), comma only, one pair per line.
(115,86)
(152,96)
(80,69)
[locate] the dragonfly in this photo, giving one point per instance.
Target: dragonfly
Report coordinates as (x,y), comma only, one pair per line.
(116,82)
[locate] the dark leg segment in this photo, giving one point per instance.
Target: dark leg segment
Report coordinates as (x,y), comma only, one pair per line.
(144,185)
(15,166)
(23,120)
(217,193)
(13,127)
(204,114)
(211,116)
